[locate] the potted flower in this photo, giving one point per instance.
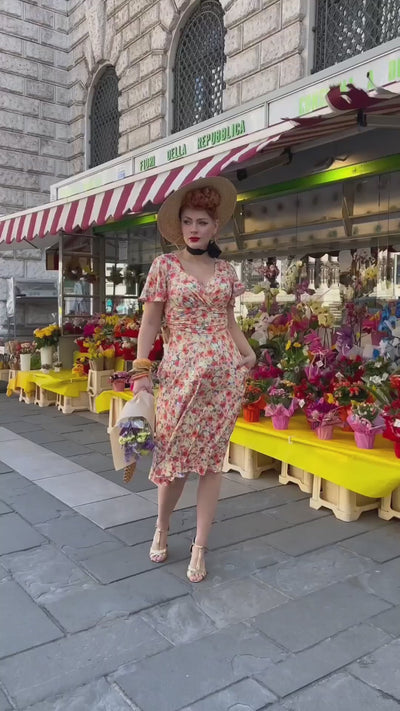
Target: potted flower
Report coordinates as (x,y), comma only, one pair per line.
(45,339)
(366,422)
(344,393)
(45,368)
(115,276)
(109,355)
(252,402)
(119,380)
(25,351)
(391,414)
(57,366)
(322,416)
(281,405)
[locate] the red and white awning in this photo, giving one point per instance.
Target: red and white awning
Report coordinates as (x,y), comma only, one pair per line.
(132,195)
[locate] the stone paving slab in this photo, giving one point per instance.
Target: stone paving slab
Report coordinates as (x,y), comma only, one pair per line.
(325,696)
(81,487)
(45,571)
(99,695)
(238,600)
(61,666)
(306,667)
(180,621)
(78,537)
(94,461)
(381,669)
(182,675)
(16,534)
(389,621)
(23,624)
(140,481)
(382,580)
(4,468)
(299,576)
(4,508)
(35,505)
(86,606)
(307,537)
(68,448)
(245,695)
(119,510)
(380,545)
(44,436)
(224,533)
(308,620)
(4,703)
(90,435)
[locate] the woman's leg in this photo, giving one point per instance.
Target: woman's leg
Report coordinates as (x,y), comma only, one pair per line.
(207,499)
(168,497)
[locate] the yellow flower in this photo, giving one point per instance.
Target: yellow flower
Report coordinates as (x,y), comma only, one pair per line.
(288,345)
(297,345)
(330,398)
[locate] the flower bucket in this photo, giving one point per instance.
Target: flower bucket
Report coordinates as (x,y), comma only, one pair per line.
(118,385)
(251,413)
(46,355)
(97,364)
(25,362)
(109,363)
(364,440)
(324,432)
(280,422)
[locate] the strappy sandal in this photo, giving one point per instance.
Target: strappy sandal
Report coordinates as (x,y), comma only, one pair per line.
(196,575)
(158,555)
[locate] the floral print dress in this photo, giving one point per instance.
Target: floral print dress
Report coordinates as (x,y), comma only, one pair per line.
(201,380)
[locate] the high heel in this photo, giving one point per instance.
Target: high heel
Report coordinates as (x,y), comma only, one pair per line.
(197,574)
(158,555)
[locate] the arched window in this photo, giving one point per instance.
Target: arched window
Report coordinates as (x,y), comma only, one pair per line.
(199,67)
(104,119)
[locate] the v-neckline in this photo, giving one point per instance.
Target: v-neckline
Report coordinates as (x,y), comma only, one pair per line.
(191,276)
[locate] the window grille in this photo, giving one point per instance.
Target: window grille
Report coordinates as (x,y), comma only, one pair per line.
(199,67)
(345,28)
(104,119)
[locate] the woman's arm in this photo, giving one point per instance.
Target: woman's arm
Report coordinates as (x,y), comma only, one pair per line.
(149,328)
(249,357)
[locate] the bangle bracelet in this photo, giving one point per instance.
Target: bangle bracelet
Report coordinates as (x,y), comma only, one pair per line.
(141,364)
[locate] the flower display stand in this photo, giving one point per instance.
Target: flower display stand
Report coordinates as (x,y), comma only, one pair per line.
(248,463)
(345,504)
(98,381)
(27,397)
(68,405)
(390,505)
(295,475)
(44,398)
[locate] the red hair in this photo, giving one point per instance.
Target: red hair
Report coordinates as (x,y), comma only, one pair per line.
(207,199)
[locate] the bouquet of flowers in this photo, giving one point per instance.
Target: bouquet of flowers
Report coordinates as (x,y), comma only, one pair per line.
(26,348)
(322,416)
(346,392)
(133,435)
(366,422)
(48,336)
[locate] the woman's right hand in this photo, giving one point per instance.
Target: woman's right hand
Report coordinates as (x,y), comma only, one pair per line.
(142,384)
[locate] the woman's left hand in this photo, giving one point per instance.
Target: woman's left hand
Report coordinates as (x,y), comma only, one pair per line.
(248,361)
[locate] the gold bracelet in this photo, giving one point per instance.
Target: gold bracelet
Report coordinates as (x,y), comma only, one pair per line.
(140,364)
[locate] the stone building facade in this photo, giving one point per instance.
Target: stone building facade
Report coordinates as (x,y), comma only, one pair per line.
(53,51)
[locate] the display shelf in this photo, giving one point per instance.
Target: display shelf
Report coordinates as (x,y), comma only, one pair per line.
(295,475)
(390,506)
(248,463)
(31,303)
(68,405)
(43,397)
(345,504)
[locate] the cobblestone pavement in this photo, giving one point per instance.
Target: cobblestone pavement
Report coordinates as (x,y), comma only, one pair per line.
(299,610)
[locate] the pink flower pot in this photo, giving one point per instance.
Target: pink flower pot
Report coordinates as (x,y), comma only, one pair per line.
(118,385)
(364,440)
(280,422)
(324,431)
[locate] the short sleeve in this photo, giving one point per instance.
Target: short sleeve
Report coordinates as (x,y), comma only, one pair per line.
(237,286)
(156,286)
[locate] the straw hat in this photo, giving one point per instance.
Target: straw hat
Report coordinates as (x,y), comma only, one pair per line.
(168,220)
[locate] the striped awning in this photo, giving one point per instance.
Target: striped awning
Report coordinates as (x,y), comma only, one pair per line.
(135,194)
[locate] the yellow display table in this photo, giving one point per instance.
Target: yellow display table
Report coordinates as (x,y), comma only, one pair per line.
(370,472)
(66,389)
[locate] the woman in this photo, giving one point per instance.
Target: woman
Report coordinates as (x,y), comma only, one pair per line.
(204,369)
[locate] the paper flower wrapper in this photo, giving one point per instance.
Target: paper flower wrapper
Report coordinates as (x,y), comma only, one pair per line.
(365,431)
(133,435)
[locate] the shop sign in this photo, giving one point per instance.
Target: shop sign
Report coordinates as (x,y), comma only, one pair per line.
(96,180)
(379,72)
(191,145)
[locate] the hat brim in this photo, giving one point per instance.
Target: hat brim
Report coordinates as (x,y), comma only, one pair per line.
(168,220)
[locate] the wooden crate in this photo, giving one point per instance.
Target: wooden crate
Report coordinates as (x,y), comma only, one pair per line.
(44,398)
(98,381)
(68,405)
(248,463)
(390,505)
(345,504)
(295,475)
